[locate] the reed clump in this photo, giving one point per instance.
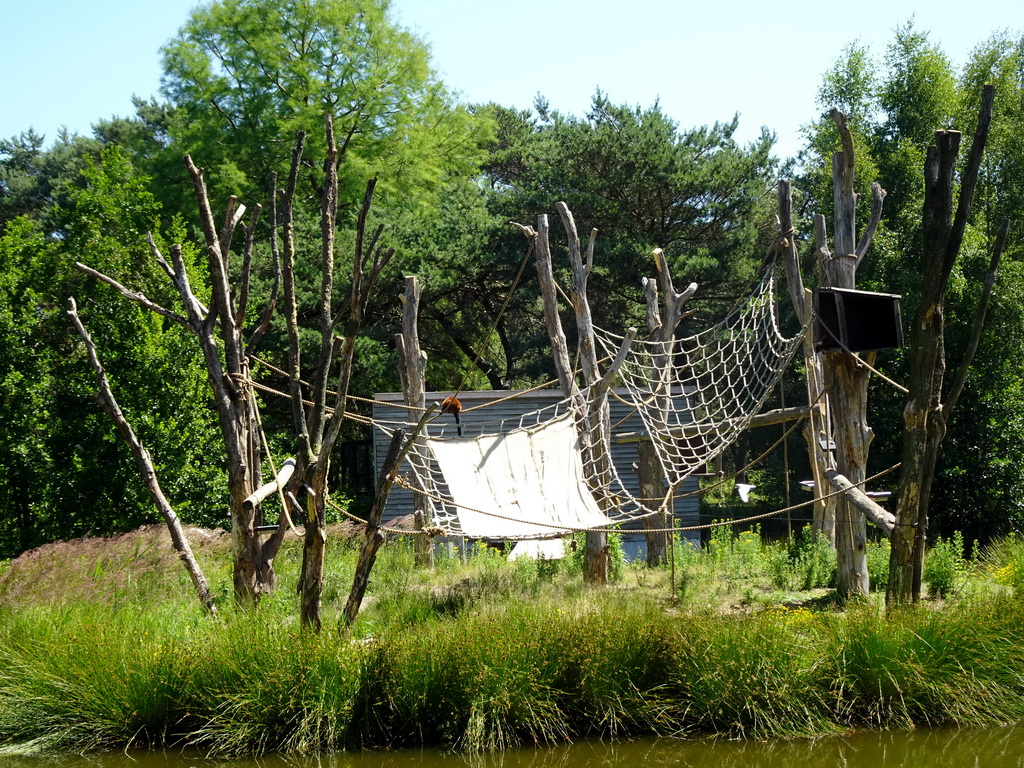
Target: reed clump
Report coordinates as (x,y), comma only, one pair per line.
(483,654)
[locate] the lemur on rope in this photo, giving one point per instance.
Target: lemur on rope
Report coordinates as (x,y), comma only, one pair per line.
(454,407)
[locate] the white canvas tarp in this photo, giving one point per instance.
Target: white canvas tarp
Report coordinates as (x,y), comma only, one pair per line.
(529,479)
(542,549)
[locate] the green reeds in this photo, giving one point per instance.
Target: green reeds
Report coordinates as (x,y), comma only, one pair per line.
(491,654)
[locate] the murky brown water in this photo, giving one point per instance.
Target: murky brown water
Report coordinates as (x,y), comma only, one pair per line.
(980,748)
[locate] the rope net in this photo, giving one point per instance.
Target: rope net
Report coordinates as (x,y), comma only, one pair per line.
(698,393)
(548,472)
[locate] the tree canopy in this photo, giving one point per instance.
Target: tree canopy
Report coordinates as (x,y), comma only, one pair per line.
(245,75)
(895,107)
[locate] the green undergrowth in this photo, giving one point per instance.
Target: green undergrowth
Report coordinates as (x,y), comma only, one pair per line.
(483,654)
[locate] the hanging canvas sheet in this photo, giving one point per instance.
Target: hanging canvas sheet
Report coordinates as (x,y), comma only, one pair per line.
(523,484)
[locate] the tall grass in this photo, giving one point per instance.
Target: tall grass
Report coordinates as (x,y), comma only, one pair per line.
(488,654)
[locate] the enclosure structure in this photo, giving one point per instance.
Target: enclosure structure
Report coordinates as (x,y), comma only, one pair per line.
(500,410)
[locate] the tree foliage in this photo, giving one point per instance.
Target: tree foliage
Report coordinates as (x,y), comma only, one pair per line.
(245,75)
(895,107)
(65,471)
(630,172)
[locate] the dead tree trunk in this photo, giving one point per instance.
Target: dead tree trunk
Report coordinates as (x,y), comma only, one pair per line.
(926,415)
(816,432)
(374,538)
(317,432)
(594,424)
(649,471)
(846,377)
(146,469)
(412,363)
(218,329)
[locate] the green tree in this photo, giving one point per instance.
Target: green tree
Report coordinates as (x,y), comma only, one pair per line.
(34,181)
(245,75)
(897,106)
(644,184)
(629,172)
(66,472)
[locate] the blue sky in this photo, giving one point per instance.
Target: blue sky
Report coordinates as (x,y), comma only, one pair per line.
(65,62)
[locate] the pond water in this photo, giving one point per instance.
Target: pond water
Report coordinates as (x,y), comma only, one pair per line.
(970,748)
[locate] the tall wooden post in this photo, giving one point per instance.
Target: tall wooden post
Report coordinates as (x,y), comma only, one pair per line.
(662,330)
(412,363)
(816,432)
(846,376)
(927,411)
(594,422)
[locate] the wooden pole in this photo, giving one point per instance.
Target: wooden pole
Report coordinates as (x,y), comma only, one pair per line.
(147,471)
(374,538)
(661,328)
(412,363)
(815,432)
(926,414)
(846,377)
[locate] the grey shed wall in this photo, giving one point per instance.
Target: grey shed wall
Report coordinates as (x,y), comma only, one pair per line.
(624,455)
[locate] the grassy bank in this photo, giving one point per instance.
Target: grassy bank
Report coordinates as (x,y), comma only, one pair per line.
(486,654)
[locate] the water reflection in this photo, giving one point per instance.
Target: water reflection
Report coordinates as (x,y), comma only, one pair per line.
(983,747)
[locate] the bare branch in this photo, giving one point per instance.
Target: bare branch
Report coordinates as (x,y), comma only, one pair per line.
(268,313)
(787,245)
(205,212)
(356,295)
(159,256)
(197,312)
(821,239)
(590,250)
(969,177)
(674,300)
(110,406)
(602,385)
(527,231)
(960,379)
(136,296)
(291,305)
(232,216)
(328,215)
(653,309)
(220,301)
(243,291)
(381,259)
(849,159)
(877,198)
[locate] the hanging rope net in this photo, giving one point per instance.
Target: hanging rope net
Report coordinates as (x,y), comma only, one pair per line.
(697,394)
(545,474)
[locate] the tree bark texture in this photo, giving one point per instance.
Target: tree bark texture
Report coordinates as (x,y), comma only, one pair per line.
(219,333)
(846,376)
(925,415)
(594,425)
(373,538)
(815,432)
(661,328)
(317,432)
(412,364)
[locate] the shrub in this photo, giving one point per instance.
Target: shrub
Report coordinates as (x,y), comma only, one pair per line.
(945,568)
(815,559)
(878,564)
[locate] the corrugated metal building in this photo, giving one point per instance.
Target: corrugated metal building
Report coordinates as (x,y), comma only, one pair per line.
(509,410)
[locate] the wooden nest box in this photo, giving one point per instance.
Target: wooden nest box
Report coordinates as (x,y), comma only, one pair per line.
(860,321)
